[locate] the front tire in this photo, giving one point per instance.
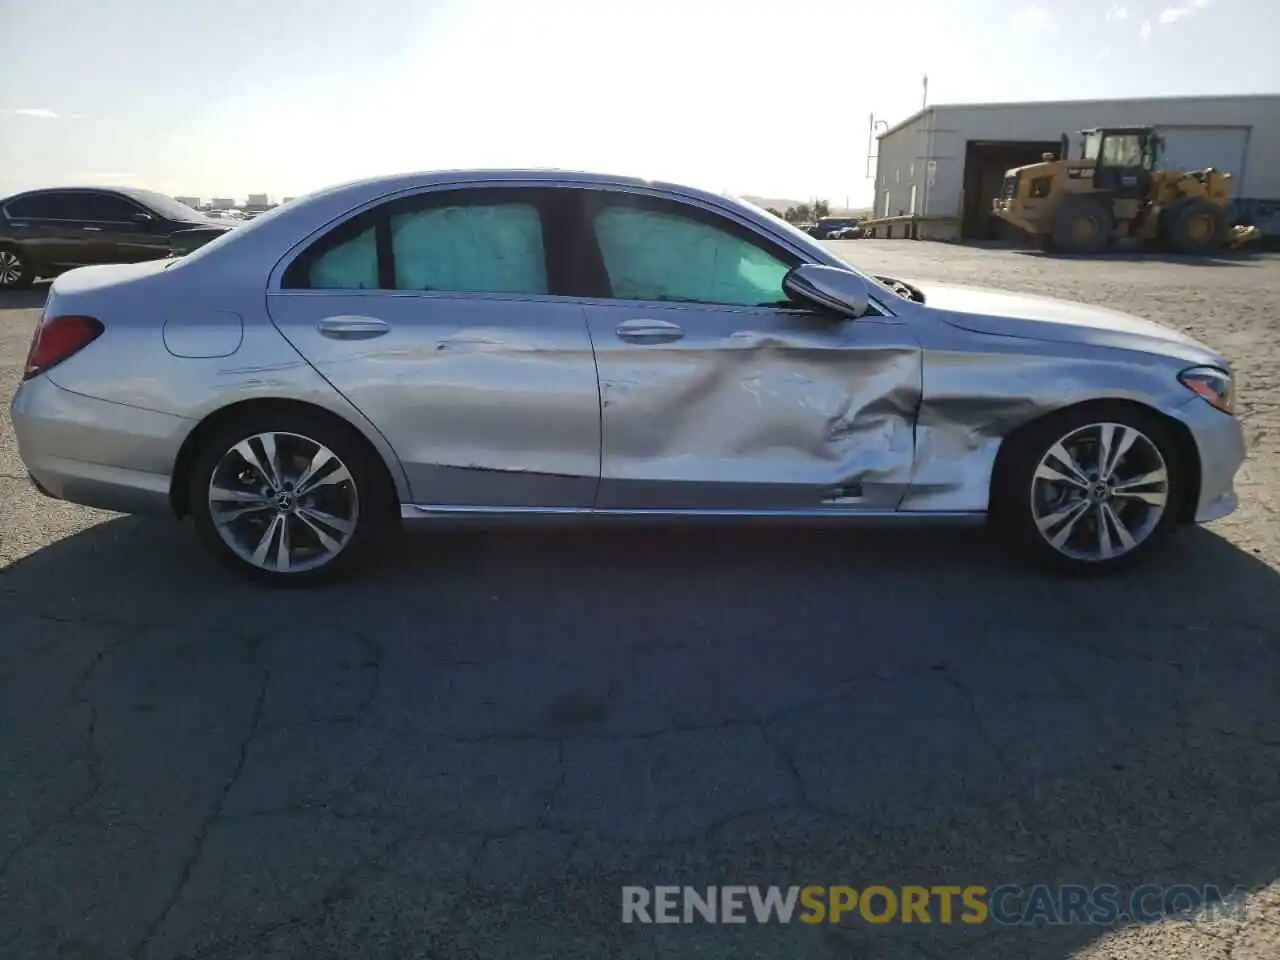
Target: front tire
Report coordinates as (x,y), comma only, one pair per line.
(290,499)
(1091,490)
(15,270)
(1198,228)
(1082,225)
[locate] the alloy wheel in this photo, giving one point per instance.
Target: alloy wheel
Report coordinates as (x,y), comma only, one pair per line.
(1099,492)
(10,268)
(283,502)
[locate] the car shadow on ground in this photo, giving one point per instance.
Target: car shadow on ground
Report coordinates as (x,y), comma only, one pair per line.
(729,707)
(31,298)
(1128,253)
(1224,259)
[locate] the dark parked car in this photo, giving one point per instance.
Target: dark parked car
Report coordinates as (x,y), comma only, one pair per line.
(828,227)
(46,232)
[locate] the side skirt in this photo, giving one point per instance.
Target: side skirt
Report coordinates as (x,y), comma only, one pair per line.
(415,513)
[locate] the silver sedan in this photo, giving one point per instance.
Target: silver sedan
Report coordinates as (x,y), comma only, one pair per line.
(514,345)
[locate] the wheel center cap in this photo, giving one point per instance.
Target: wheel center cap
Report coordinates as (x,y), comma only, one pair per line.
(284,501)
(1099,492)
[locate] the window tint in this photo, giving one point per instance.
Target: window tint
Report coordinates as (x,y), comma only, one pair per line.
(352,265)
(47,206)
(490,245)
(106,206)
(71,206)
(476,248)
(657,255)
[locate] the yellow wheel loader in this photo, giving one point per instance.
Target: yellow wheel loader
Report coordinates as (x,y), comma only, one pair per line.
(1115,190)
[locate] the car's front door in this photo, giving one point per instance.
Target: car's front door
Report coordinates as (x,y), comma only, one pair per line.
(438,316)
(719,394)
(120,235)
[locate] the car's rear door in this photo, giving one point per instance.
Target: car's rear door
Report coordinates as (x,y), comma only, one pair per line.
(718,394)
(46,225)
(440,317)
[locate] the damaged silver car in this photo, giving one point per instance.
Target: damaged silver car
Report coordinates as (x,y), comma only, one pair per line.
(515,345)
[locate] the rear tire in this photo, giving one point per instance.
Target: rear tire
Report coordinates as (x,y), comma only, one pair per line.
(1082,225)
(1059,501)
(15,271)
(290,498)
(1198,228)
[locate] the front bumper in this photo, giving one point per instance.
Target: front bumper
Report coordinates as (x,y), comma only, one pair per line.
(94,452)
(1219,440)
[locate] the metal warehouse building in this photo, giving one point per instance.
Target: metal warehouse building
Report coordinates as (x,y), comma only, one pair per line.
(948,160)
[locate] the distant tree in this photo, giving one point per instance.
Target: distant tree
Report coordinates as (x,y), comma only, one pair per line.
(777,213)
(821,209)
(803,213)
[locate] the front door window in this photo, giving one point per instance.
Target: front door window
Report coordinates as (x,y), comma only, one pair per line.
(654,254)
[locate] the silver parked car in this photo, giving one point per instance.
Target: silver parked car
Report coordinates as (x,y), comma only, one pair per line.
(511,345)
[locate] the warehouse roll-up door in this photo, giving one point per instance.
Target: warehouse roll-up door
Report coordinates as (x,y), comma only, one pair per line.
(1194,148)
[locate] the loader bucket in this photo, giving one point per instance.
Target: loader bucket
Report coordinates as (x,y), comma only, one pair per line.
(1242,235)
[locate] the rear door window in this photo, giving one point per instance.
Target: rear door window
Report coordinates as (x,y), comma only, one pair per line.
(42,206)
(477,241)
(470,248)
(348,265)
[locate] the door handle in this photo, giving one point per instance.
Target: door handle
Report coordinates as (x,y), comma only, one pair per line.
(92,229)
(352,328)
(649,331)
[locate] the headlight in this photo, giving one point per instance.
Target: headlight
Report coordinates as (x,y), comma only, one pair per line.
(1213,385)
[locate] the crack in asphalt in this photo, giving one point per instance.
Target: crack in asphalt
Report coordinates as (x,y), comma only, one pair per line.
(91,757)
(336,893)
(256,729)
(202,834)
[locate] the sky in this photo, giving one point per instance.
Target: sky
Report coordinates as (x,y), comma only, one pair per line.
(230,97)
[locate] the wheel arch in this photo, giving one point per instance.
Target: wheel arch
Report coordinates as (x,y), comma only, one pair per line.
(179,481)
(1188,452)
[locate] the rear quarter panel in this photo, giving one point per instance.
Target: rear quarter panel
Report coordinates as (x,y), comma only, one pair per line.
(178,342)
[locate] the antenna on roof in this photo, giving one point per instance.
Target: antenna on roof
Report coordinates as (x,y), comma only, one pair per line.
(924,99)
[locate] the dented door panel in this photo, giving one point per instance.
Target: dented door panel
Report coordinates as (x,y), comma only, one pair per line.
(754,409)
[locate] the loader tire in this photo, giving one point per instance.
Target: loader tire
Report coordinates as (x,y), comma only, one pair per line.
(1198,228)
(1082,225)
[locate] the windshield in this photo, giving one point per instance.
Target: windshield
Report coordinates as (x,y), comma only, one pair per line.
(1122,150)
(168,207)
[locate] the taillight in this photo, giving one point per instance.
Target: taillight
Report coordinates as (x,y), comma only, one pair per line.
(58,338)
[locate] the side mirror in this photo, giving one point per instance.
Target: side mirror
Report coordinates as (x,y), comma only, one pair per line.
(828,288)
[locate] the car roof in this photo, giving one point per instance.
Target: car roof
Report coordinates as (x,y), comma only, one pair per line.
(393,183)
(288,223)
(143,197)
(64,188)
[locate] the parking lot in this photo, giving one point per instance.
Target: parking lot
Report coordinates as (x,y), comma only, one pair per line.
(469,753)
